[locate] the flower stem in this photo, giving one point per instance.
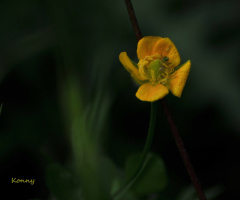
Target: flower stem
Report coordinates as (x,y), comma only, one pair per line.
(182,150)
(133,19)
(143,160)
(173,127)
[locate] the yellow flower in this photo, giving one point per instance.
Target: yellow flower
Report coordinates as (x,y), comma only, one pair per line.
(158,69)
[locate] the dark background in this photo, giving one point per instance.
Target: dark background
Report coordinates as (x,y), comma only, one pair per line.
(59,62)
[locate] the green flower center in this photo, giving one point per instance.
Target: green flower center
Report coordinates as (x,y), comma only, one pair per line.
(155,69)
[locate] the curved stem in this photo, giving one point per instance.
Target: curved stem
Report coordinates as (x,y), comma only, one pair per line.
(143,160)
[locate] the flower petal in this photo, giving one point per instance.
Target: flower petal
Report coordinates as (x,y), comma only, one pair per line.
(145,46)
(179,78)
(148,92)
(151,45)
(129,66)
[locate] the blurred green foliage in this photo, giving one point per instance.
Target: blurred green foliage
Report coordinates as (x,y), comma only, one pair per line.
(70,117)
(153,177)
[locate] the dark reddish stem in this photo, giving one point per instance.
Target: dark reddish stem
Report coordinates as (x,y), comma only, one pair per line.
(182,150)
(167,112)
(133,19)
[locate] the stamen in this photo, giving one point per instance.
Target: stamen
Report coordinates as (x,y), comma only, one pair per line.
(171,70)
(165,65)
(142,65)
(155,69)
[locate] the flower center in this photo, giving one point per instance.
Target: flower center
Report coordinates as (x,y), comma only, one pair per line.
(155,69)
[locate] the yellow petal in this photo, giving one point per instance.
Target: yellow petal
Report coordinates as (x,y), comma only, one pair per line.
(129,66)
(145,46)
(148,92)
(179,78)
(151,45)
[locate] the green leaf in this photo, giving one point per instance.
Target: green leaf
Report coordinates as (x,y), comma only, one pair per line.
(62,183)
(109,174)
(153,177)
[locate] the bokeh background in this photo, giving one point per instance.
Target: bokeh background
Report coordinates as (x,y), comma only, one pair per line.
(70,117)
